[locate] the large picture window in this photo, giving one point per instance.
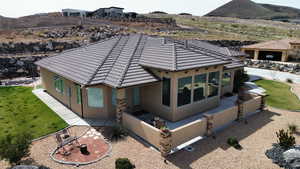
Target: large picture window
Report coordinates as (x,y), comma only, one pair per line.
(95,97)
(59,84)
(226,79)
(213,84)
(184,91)
(199,87)
(166,90)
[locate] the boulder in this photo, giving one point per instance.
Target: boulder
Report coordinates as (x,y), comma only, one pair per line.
(292,157)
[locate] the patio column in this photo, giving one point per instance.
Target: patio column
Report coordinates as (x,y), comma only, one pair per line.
(210,125)
(284,56)
(256,53)
(121,104)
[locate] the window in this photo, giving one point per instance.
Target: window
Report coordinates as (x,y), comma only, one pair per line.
(213,83)
(95,97)
(166,91)
(184,91)
(199,87)
(78,93)
(136,96)
(59,84)
(226,80)
(114,96)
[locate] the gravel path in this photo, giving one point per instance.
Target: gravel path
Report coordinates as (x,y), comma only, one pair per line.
(255,137)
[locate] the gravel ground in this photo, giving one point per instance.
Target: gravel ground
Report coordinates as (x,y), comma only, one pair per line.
(255,137)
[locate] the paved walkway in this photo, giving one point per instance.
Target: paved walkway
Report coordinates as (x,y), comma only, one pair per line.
(63,112)
(273,75)
(66,114)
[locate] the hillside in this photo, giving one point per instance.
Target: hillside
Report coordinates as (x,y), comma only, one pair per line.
(226,28)
(247,9)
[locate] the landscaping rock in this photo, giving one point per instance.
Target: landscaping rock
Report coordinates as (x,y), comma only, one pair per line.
(292,157)
(288,159)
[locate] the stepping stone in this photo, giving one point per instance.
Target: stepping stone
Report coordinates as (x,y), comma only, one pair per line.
(85,136)
(93,130)
(96,137)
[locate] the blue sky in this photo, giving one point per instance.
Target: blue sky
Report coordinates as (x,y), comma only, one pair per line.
(16,8)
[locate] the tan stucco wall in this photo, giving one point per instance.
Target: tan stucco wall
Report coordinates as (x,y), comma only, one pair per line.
(107,112)
(251,105)
(189,131)
(48,84)
(142,129)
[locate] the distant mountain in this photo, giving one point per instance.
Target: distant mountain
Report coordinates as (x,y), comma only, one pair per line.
(247,9)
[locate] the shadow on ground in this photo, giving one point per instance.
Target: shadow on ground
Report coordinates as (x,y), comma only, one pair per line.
(239,130)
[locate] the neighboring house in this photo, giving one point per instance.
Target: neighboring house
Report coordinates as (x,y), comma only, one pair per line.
(276,50)
(75,12)
(172,79)
(108,12)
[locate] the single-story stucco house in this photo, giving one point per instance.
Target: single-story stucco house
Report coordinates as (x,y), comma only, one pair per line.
(168,92)
(276,50)
(172,79)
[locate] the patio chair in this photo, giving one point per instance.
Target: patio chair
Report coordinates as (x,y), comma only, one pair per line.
(60,143)
(68,138)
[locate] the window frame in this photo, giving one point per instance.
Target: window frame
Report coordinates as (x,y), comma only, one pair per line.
(230,79)
(78,94)
(204,90)
(59,84)
(191,91)
(169,92)
(101,99)
(208,83)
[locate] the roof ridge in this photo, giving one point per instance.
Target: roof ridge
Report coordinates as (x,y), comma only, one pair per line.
(116,58)
(103,61)
(129,61)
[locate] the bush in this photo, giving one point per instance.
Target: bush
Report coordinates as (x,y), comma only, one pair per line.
(118,132)
(289,80)
(124,163)
(14,148)
(285,139)
(232,141)
(293,128)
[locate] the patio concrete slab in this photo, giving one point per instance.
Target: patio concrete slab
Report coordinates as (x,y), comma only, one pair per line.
(63,112)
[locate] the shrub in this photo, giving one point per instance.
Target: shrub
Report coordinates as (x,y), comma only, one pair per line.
(285,139)
(293,128)
(232,141)
(118,132)
(14,148)
(124,163)
(289,80)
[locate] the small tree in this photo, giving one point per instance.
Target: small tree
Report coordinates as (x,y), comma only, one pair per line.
(285,139)
(240,77)
(124,163)
(14,148)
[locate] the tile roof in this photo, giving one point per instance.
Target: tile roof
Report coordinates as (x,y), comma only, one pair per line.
(122,61)
(283,44)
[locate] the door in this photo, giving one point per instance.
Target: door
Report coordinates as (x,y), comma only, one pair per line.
(136,96)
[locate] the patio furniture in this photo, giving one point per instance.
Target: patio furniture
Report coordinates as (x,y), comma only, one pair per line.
(64,138)
(83,149)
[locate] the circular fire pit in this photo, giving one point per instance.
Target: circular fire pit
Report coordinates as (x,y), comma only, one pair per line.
(92,148)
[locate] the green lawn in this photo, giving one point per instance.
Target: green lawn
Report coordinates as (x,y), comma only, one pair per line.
(280,95)
(20,109)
